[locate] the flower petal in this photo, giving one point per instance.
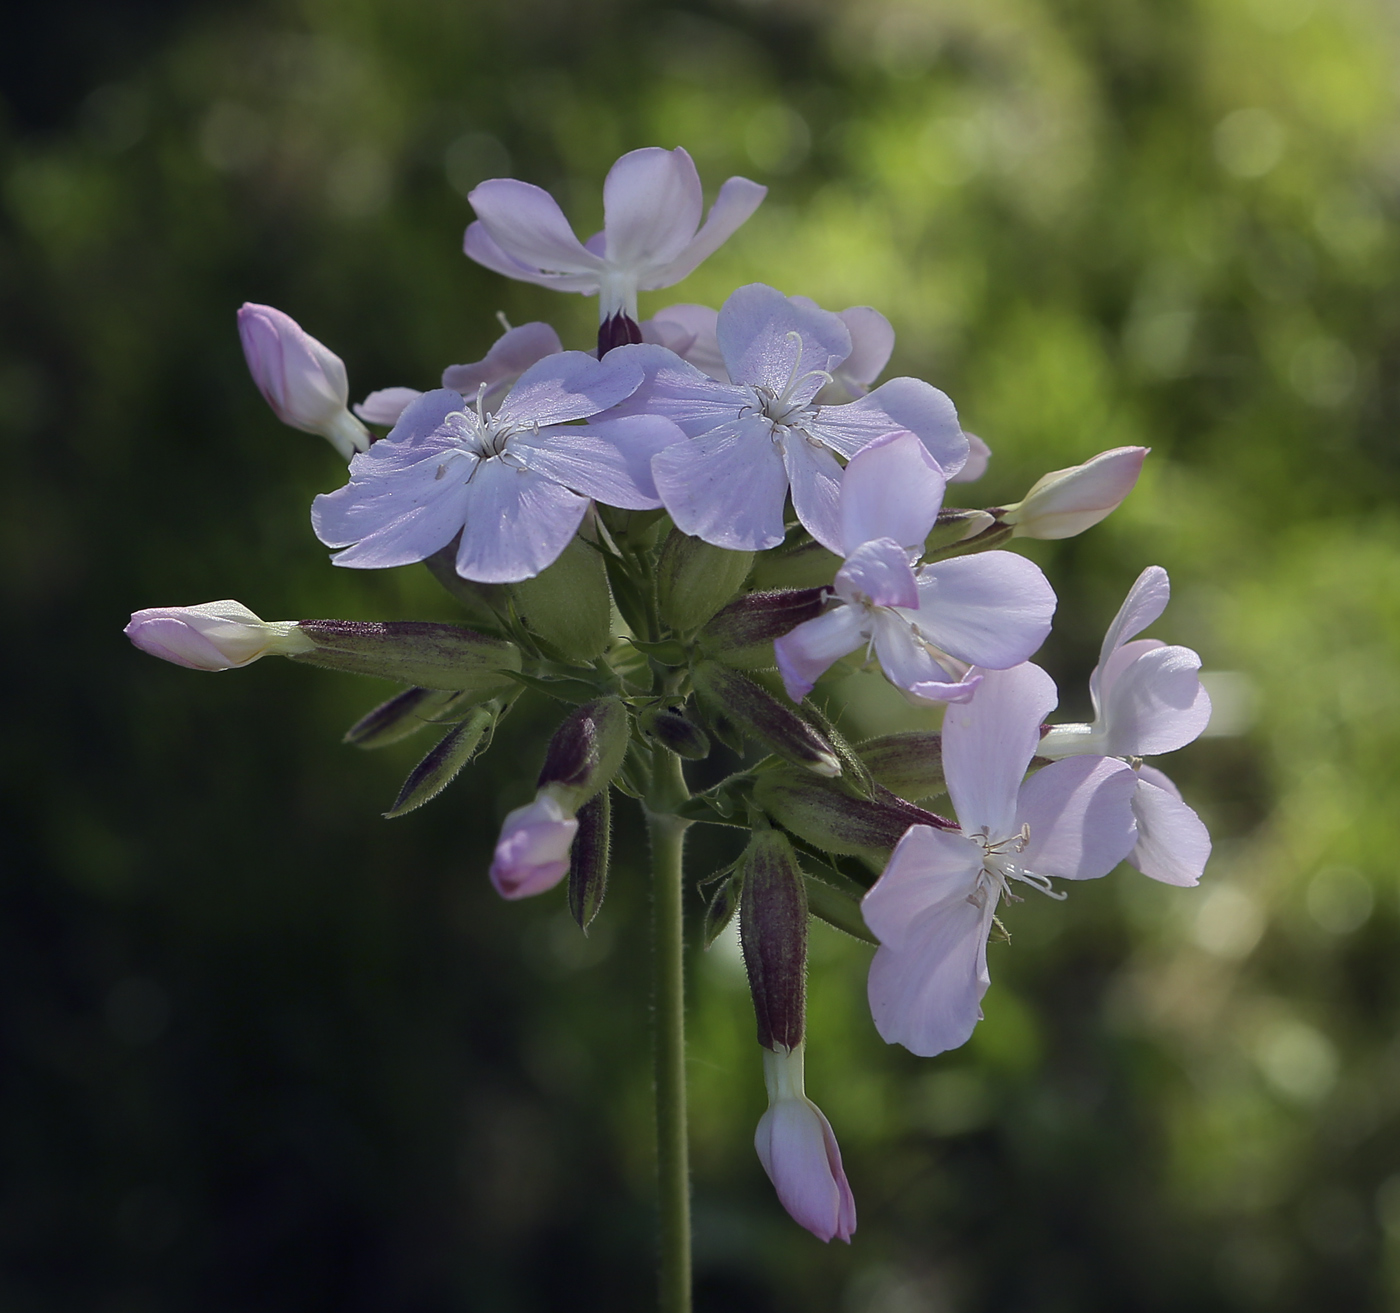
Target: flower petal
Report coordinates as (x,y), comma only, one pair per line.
(1080,817)
(517,523)
(480,246)
(1157,704)
(737,200)
(991,610)
(928,868)
(651,208)
(805,653)
(386,405)
(1173,844)
(872,341)
(1146,600)
(902,403)
(910,665)
(689,331)
(815,478)
(878,573)
(510,356)
(727,486)
(568,386)
(988,743)
(978,454)
(768,342)
(798,1151)
(891,489)
(679,391)
(609,460)
(526,223)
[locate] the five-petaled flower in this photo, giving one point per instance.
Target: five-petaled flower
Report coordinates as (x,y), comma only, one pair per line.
(514,483)
(933,907)
(926,627)
(1148,699)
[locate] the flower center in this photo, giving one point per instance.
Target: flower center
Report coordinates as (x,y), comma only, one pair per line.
(484,435)
(780,407)
(1000,867)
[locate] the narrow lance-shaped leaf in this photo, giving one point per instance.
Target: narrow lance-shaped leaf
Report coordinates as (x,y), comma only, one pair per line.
(837,907)
(438,769)
(589,859)
(722,906)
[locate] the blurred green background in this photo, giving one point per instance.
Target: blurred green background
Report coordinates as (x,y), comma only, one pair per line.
(265,1051)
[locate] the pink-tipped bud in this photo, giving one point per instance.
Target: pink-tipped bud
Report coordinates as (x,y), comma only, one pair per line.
(300,379)
(1066,502)
(214,636)
(532,854)
(799,1152)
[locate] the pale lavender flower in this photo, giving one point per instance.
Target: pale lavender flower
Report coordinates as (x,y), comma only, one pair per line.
(763,433)
(532,854)
(303,381)
(1148,699)
(978,455)
(652,236)
(926,627)
(933,907)
(509,357)
(213,636)
(514,483)
(1066,502)
(799,1152)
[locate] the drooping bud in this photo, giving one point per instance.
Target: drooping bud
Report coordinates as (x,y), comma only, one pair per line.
(568,604)
(798,1150)
(618,329)
(909,763)
(532,853)
(440,767)
(214,636)
(761,715)
(773,933)
(836,821)
(300,379)
(1066,502)
(411,652)
(588,862)
(694,579)
(742,634)
(585,752)
(403,714)
(674,731)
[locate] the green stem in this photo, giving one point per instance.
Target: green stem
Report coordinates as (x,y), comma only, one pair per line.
(667,833)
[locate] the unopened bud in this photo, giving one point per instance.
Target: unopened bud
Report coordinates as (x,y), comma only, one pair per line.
(403,714)
(532,853)
(909,763)
(674,731)
(618,329)
(568,604)
(440,767)
(214,636)
(694,579)
(585,752)
(830,818)
(742,634)
(300,379)
(761,715)
(955,526)
(773,932)
(1066,502)
(411,652)
(588,861)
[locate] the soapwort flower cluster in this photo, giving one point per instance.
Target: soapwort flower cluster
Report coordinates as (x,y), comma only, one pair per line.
(679,536)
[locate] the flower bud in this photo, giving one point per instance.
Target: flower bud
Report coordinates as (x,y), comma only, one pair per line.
(588,863)
(694,579)
(568,604)
(532,853)
(761,715)
(403,714)
(618,329)
(214,636)
(411,652)
(836,821)
(585,752)
(773,933)
(742,634)
(909,763)
(300,379)
(1066,502)
(798,1150)
(955,526)
(675,732)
